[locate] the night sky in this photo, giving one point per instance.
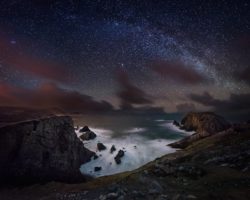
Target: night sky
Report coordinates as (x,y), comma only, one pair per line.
(103,55)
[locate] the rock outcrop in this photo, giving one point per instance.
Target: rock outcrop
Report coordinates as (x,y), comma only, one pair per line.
(118,157)
(112,149)
(204,124)
(101,146)
(87,133)
(84,129)
(42,150)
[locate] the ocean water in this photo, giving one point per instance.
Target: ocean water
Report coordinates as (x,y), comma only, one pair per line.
(143,138)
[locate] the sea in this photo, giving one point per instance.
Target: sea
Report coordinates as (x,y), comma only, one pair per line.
(143,138)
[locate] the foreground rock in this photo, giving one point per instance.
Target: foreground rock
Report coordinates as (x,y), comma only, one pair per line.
(42,150)
(204,124)
(118,157)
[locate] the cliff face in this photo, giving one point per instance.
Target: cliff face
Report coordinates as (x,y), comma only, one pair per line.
(42,150)
(204,123)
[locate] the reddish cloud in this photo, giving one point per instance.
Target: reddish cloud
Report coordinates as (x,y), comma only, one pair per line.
(129,94)
(177,71)
(14,57)
(49,95)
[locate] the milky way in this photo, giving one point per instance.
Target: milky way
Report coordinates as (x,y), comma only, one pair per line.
(81,46)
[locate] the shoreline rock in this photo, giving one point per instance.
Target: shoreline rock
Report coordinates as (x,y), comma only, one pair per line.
(101,146)
(118,157)
(42,150)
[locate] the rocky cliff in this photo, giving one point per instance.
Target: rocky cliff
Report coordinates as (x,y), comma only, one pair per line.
(204,124)
(42,150)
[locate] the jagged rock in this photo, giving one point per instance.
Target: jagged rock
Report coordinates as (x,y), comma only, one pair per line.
(112,149)
(205,124)
(95,157)
(97,169)
(118,157)
(101,146)
(176,123)
(42,150)
(84,129)
(89,135)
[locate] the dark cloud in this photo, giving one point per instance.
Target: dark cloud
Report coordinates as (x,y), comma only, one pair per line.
(177,71)
(49,95)
(129,94)
(185,107)
(14,57)
(236,102)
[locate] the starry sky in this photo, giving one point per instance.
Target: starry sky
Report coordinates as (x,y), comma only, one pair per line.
(105,55)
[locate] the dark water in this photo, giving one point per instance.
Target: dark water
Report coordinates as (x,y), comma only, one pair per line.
(148,126)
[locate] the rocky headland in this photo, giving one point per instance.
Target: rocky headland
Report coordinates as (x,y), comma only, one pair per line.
(45,149)
(216,165)
(204,124)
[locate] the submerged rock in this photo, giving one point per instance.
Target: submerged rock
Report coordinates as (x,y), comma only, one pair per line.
(112,149)
(97,169)
(118,157)
(176,123)
(101,146)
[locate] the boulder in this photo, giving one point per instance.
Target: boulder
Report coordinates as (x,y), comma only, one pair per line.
(101,146)
(84,129)
(118,157)
(41,150)
(176,123)
(89,135)
(97,169)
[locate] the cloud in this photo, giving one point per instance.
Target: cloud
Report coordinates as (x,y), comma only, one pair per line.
(49,95)
(178,72)
(185,107)
(14,57)
(244,75)
(236,102)
(129,94)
